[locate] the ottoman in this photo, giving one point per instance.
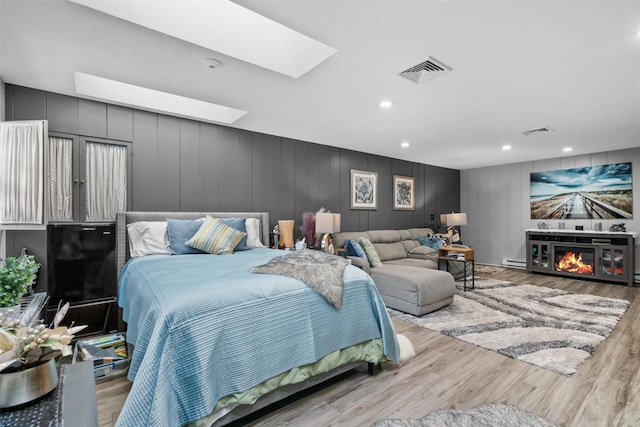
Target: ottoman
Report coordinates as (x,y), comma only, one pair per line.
(414,290)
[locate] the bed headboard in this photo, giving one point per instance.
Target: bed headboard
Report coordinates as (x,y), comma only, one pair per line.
(124,218)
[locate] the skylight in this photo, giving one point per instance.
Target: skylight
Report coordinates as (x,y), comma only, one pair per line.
(224,27)
(148,99)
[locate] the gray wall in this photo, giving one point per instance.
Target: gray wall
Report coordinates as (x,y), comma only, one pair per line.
(185,165)
(496,200)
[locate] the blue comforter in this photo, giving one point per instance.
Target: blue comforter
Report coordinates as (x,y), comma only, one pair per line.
(204,327)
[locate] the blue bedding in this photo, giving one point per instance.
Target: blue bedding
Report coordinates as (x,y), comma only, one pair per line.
(203,327)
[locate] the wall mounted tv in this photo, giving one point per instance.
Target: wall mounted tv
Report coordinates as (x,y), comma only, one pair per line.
(592,192)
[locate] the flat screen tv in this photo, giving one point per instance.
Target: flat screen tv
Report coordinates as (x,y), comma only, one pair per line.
(591,192)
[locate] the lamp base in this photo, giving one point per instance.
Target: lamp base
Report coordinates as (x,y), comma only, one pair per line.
(326,244)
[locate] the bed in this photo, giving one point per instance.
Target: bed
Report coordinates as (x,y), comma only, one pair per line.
(213,342)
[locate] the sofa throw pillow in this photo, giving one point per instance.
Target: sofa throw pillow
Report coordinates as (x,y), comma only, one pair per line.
(354,249)
(147,238)
(240,225)
(178,232)
(370,250)
(431,241)
(216,237)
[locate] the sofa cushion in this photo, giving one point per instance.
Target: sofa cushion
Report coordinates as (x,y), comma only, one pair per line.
(422,252)
(370,250)
(340,238)
(384,236)
(414,262)
(354,249)
(417,233)
(431,241)
(389,251)
(413,290)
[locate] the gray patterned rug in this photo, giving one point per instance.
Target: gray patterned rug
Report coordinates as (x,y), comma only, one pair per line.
(550,328)
(489,415)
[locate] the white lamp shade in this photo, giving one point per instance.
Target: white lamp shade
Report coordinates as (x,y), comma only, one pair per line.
(443,219)
(327,223)
(454,219)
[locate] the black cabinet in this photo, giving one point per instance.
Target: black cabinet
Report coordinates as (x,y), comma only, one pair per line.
(81,271)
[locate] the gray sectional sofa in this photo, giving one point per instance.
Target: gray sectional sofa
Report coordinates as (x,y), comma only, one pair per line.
(408,279)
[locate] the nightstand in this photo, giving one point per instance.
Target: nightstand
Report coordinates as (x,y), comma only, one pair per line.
(465,256)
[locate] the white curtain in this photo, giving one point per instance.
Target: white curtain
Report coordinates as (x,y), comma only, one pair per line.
(106,181)
(22,172)
(60,179)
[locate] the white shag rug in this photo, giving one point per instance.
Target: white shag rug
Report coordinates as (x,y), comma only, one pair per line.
(550,328)
(406,348)
(488,415)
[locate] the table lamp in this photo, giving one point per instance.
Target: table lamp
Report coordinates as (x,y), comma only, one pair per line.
(454,219)
(327,223)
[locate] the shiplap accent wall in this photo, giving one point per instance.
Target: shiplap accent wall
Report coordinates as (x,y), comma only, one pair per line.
(185,165)
(496,200)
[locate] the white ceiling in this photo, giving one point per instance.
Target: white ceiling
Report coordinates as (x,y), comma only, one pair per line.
(571,66)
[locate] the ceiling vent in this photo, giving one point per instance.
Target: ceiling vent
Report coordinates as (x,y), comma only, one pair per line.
(539,130)
(426,70)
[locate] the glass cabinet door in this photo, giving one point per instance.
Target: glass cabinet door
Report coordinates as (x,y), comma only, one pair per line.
(612,261)
(540,256)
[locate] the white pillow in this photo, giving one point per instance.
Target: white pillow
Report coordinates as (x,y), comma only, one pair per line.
(147,238)
(253,233)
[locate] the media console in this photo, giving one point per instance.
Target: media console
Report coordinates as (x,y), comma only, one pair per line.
(604,256)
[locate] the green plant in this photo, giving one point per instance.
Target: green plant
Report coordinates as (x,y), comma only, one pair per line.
(16,277)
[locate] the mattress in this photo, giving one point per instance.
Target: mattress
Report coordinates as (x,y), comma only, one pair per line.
(204,328)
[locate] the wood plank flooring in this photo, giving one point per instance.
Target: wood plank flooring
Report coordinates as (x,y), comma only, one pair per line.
(449,373)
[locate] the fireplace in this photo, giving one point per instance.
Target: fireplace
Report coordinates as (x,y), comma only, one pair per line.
(582,254)
(574,259)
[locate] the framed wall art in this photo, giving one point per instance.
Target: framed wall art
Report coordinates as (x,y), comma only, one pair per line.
(403,192)
(364,190)
(590,192)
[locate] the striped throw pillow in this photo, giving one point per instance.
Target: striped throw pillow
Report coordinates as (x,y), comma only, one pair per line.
(215,237)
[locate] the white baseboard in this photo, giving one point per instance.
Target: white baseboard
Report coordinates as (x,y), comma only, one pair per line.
(514,263)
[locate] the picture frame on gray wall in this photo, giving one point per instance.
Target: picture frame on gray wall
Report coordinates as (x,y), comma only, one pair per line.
(364,190)
(403,193)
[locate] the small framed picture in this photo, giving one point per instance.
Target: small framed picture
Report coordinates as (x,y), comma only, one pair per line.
(403,193)
(364,190)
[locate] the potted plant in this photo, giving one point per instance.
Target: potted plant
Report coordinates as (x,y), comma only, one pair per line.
(16,277)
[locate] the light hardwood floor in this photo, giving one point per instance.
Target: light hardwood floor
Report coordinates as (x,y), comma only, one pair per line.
(449,373)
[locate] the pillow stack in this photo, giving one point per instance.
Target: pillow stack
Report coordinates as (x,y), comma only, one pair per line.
(203,235)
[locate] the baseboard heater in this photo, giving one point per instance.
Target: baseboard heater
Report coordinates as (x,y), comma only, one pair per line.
(514,263)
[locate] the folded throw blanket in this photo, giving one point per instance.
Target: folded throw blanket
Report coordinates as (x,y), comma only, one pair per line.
(318,270)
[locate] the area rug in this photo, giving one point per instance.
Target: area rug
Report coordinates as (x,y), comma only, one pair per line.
(488,415)
(550,328)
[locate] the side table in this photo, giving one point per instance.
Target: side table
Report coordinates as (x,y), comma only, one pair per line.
(72,403)
(465,256)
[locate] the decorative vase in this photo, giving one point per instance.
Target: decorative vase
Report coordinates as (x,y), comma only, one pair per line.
(24,386)
(286,232)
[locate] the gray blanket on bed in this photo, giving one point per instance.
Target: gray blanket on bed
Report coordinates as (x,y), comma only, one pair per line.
(318,270)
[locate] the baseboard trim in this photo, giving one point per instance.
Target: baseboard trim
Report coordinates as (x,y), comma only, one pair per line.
(514,263)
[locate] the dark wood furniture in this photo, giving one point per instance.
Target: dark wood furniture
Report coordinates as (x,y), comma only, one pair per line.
(608,256)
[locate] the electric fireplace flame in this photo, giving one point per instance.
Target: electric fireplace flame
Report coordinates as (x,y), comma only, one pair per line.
(572,263)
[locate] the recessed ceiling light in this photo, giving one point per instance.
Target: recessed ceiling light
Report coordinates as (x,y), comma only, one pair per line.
(386,104)
(506,147)
(567,149)
(405,144)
